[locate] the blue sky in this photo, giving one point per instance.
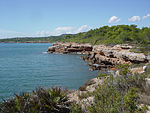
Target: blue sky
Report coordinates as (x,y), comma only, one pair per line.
(54,17)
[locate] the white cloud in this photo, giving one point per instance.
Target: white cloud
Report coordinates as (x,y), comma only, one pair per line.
(70,30)
(114,19)
(43,33)
(134,18)
(83,28)
(148,15)
(62,30)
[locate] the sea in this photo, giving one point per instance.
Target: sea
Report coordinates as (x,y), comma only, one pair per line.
(27,66)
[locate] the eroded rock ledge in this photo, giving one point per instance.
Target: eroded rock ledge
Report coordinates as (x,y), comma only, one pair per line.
(106,56)
(70,48)
(101,56)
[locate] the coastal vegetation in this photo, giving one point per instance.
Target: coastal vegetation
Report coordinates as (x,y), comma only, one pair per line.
(119,34)
(104,35)
(53,100)
(48,39)
(120,94)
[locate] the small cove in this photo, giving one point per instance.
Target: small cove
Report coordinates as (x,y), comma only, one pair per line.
(26,66)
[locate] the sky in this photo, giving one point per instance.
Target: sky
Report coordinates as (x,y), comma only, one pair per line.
(25,18)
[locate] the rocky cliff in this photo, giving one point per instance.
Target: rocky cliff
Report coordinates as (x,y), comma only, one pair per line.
(106,56)
(101,56)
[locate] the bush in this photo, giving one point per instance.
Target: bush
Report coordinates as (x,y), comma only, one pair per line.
(101,75)
(118,95)
(41,100)
(76,108)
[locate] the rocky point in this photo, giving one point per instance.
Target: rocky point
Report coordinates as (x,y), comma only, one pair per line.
(101,56)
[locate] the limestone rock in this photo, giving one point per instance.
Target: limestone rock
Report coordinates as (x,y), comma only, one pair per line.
(102,56)
(70,48)
(119,54)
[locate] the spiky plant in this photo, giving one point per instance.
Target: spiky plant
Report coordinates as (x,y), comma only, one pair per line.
(53,100)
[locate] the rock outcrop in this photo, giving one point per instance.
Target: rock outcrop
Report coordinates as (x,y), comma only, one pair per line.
(105,56)
(70,48)
(79,96)
(101,56)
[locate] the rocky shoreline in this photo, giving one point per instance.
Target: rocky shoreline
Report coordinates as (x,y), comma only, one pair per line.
(67,48)
(101,56)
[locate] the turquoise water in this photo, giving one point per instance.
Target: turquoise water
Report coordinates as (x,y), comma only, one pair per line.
(25,67)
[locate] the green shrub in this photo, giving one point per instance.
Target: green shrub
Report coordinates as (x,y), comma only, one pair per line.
(118,95)
(41,100)
(76,108)
(101,75)
(130,100)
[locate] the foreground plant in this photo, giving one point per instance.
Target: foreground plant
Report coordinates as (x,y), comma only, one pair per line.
(53,100)
(119,94)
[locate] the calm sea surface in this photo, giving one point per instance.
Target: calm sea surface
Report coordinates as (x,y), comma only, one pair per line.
(25,67)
